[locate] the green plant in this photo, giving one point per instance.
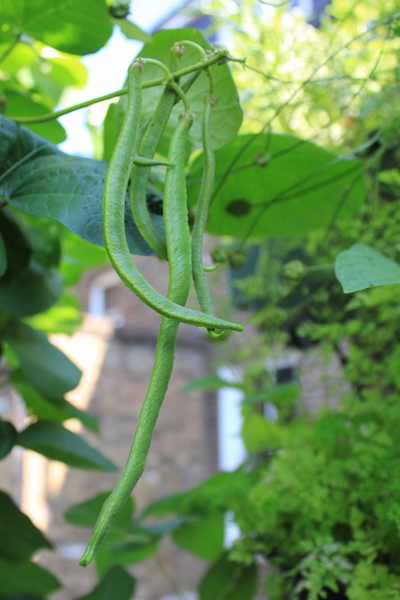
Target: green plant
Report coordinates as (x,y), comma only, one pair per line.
(336,473)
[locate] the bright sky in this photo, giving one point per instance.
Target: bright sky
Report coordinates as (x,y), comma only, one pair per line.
(107,72)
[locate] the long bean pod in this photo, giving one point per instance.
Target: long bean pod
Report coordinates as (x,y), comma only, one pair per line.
(140,175)
(178,241)
(120,258)
(206,189)
(115,187)
(147,148)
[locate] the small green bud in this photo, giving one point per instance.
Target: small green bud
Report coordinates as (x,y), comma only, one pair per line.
(295,270)
(262,159)
(237,258)
(119,9)
(219,254)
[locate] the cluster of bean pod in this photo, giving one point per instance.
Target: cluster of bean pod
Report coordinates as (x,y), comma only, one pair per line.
(131,159)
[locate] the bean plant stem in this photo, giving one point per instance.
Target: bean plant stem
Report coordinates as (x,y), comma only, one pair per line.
(216,57)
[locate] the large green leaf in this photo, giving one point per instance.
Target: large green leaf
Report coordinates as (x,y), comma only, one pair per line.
(38,179)
(79,255)
(294,188)
(22,596)
(22,55)
(34,292)
(18,247)
(168,505)
(21,105)
(226,116)
(131,30)
(20,577)
(63,317)
(57,443)
(46,367)
(203,536)
(58,410)
(283,394)
(116,584)
(58,72)
(3,256)
(85,514)
(208,382)
(19,538)
(74,26)
(229,580)
(44,236)
(8,437)
(362,267)
(111,127)
(125,548)
(259,434)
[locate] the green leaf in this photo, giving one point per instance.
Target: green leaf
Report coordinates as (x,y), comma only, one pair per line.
(44,236)
(362,267)
(131,31)
(166,527)
(57,73)
(22,55)
(17,244)
(302,187)
(282,394)
(112,125)
(68,71)
(34,292)
(3,256)
(203,536)
(8,437)
(20,577)
(226,116)
(23,596)
(85,514)
(124,548)
(46,367)
(76,26)
(390,177)
(167,505)
(259,434)
(58,410)
(116,584)
(57,443)
(41,181)
(209,382)
(21,105)
(63,317)
(19,538)
(228,580)
(78,256)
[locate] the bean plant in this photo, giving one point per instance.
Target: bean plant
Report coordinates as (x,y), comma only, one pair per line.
(174,133)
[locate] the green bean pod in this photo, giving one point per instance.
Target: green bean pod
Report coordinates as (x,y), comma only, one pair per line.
(206,189)
(134,280)
(175,216)
(147,148)
(115,186)
(140,175)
